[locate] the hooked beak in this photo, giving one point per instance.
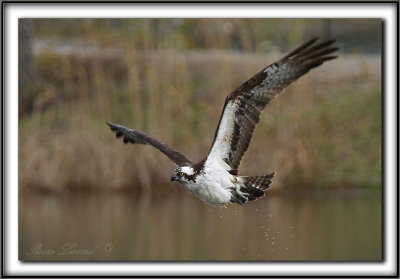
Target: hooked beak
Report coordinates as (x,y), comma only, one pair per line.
(174,178)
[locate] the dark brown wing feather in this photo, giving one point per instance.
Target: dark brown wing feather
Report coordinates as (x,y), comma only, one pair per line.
(132,136)
(245,104)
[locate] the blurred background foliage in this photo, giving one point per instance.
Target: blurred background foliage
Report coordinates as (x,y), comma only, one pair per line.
(170,77)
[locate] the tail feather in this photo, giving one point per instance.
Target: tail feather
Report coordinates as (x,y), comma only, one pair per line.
(259,182)
(253,186)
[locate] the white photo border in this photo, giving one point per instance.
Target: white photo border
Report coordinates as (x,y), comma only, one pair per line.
(13,11)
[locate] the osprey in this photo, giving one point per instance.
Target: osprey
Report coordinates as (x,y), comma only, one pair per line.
(215,179)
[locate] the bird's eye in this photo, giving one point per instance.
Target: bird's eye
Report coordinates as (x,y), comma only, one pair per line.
(180,174)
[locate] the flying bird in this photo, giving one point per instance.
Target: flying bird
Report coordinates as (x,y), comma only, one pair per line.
(215,179)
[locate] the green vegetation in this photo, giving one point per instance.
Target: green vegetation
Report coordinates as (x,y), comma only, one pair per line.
(323,131)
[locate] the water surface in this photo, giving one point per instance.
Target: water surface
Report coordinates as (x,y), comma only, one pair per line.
(339,226)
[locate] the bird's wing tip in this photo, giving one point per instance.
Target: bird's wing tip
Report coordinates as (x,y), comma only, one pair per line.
(112,126)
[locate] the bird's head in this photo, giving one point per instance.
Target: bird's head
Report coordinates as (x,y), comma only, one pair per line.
(182,174)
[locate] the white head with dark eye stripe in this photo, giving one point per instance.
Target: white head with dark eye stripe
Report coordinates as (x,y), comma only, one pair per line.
(183,174)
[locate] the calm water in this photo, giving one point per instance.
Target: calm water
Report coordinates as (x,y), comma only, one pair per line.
(325,226)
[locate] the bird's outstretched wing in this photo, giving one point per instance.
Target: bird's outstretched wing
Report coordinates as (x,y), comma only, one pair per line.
(132,136)
(243,106)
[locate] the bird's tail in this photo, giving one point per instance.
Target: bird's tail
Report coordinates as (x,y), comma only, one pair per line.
(252,186)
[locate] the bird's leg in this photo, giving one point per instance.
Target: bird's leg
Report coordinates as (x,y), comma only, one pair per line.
(240,193)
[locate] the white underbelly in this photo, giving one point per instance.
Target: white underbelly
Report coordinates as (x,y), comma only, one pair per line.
(211,192)
(214,184)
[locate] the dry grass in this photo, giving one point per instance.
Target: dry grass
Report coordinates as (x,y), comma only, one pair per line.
(323,131)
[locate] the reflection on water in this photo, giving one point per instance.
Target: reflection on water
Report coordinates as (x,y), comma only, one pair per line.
(178,226)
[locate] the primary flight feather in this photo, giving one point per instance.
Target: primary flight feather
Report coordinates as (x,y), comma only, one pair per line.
(215,179)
